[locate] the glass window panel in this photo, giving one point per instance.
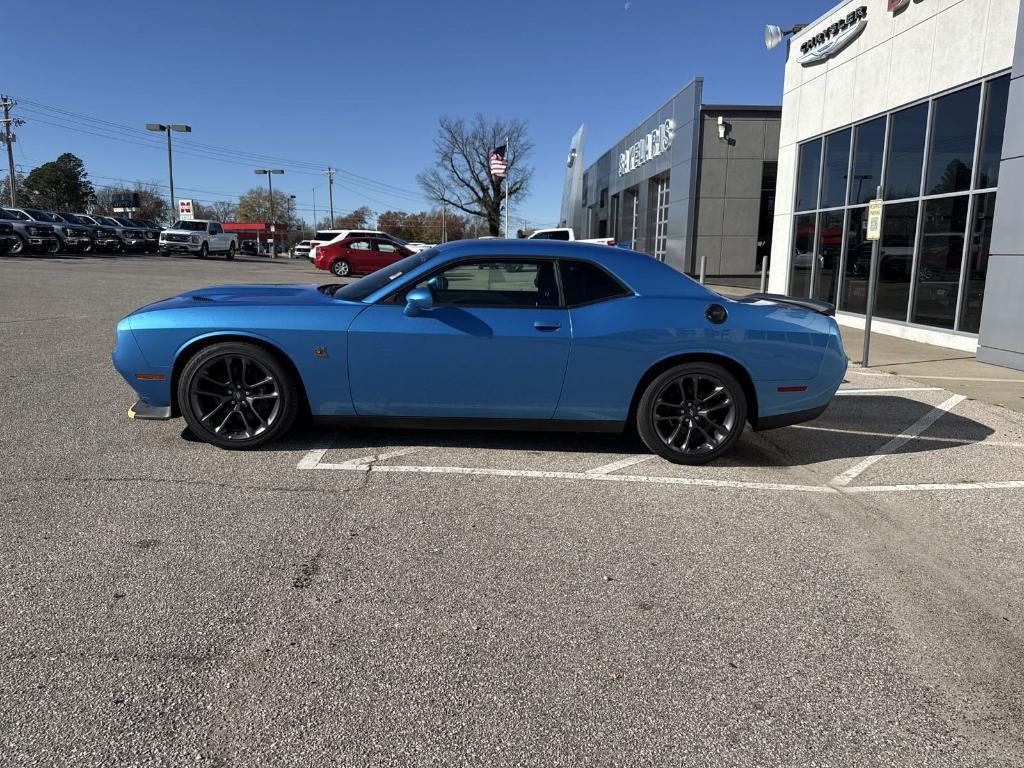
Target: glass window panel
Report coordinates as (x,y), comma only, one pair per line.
(895,260)
(869,141)
(992,131)
(858,263)
(938,270)
(906,152)
(802,257)
(954,125)
(837,164)
(830,244)
(807,175)
(977,262)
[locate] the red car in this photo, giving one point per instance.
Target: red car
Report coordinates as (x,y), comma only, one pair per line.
(359,255)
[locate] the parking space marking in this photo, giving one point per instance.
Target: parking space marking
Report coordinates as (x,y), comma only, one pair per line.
(860,391)
(365,463)
(629,461)
(982,485)
(939,378)
(313,457)
(845,478)
(948,440)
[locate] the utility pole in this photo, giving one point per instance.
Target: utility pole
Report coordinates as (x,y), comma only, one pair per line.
(269,173)
(330,190)
(444,223)
(9,139)
(315,222)
(167,128)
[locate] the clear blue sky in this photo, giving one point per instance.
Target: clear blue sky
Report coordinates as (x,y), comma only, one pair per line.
(360,85)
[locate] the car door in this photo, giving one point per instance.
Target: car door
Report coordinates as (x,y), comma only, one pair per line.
(359,253)
(494,344)
(385,253)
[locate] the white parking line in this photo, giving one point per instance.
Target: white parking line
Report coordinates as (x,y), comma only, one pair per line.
(939,378)
(860,391)
(629,461)
(915,429)
(927,438)
(313,457)
(984,485)
(364,463)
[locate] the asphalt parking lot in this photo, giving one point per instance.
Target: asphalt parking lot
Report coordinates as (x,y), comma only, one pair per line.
(845,592)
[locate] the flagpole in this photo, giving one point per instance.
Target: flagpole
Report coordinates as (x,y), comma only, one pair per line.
(507,153)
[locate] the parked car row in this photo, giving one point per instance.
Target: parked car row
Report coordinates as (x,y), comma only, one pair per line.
(30,230)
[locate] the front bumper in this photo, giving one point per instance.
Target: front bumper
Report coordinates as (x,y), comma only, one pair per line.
(106,242)
(166,245)
(42,243)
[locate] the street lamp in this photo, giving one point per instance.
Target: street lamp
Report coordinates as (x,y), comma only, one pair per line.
(269,172)
(773,34)
(170,165)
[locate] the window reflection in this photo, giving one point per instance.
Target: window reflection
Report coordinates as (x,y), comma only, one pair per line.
(977,261)
(906,152)
(938,269)
(802,257)
(992,131)
(867,160)
(895,260)
(830,245)
(837,162)
(951,157)
(807,175)
(858,263)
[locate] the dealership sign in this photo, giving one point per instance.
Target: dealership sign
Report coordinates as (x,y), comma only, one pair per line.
(185,212)
(649,147)
(833,38)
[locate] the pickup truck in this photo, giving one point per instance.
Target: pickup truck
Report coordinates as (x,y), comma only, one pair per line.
(199,237)
(566,233)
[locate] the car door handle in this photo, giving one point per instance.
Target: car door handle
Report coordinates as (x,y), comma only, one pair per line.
(541,325)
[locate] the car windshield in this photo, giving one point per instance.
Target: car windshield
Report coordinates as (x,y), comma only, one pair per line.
(73,218)
(108,221)
(190,226)
(5,214)
(42,215)
(364,286)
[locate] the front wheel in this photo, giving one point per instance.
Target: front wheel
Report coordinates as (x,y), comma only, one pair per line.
(18,247)
(237,395)
(692,413)
(231,252)
(341,268)
(203,252)
(54,247)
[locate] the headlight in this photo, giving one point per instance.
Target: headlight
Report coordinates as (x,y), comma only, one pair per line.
(69,231)
(193,238)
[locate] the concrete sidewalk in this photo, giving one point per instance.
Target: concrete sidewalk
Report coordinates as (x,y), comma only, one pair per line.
(931,366)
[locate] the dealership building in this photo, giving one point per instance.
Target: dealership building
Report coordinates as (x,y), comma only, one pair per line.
(922,102)
(692,184)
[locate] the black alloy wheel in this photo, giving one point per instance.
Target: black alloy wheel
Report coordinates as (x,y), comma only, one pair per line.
(237,395)
(692,413)
(18,246)
(341,268)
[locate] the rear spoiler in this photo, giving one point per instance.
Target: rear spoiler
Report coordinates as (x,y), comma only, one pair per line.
(815,305)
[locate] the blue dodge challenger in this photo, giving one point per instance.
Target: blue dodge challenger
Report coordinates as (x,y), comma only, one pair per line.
(488,333)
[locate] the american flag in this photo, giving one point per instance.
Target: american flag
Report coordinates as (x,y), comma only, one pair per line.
(498,163)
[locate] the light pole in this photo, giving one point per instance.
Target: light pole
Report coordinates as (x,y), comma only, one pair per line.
(170,164)
(273,224)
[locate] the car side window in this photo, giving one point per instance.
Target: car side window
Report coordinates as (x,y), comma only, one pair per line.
(495,283)
(385,247)
(359,245)
(585,283)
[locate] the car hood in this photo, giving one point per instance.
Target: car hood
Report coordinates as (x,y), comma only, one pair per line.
(181,232)
(257,294)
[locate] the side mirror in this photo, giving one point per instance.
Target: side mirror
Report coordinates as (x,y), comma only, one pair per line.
(417,301)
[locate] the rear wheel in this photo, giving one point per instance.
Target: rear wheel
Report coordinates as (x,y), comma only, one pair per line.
(692,413)
(237,395)
(341,268)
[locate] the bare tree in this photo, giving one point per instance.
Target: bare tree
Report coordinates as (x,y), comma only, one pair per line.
(462,177)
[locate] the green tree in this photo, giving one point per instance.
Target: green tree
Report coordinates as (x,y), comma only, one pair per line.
(60,185)
(254,205)
(461,177)
(5,188)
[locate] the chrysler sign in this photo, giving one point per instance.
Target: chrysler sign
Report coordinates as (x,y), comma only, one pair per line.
(649,147)
(833,38)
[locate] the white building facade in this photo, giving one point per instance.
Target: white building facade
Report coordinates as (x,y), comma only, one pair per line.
(909,96)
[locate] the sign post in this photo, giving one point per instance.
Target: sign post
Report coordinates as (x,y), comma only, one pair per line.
(873,234)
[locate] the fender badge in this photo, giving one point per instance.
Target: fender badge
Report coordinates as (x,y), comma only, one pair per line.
(319,351)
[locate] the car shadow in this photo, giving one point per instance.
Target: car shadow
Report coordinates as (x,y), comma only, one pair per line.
(852,427)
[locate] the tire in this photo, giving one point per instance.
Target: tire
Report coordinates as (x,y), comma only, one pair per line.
(341,268)
(671,422)
(231,252)
(56,247)
(224,380)
(19,247)
(204,251)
